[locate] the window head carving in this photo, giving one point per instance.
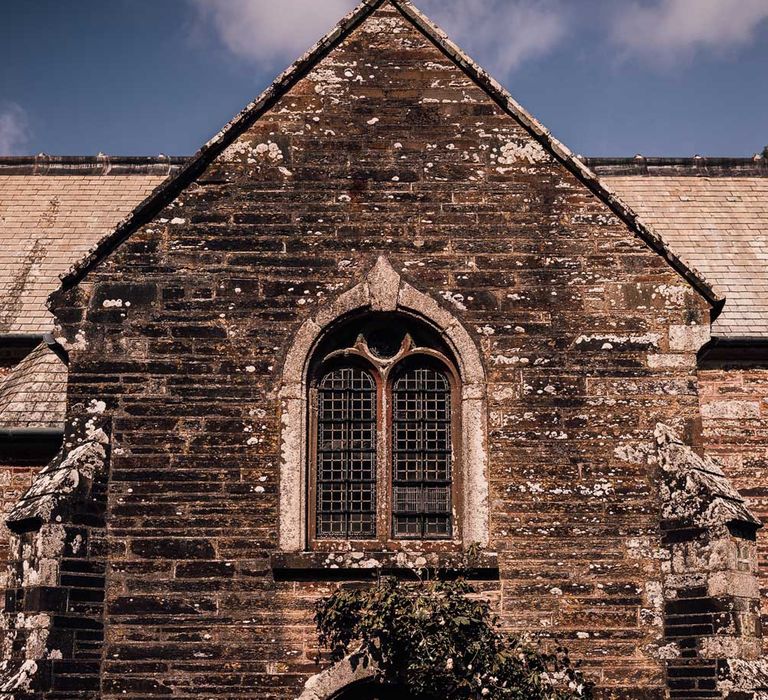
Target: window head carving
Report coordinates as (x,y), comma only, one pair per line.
(382,338)
(384,435)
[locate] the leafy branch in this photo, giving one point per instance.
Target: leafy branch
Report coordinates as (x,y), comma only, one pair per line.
(437,640)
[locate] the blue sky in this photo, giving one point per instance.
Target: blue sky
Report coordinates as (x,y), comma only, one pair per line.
(608,77)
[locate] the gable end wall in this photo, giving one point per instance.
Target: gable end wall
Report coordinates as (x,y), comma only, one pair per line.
(385,148)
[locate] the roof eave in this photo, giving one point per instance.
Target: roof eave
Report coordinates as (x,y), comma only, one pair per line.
(16,433)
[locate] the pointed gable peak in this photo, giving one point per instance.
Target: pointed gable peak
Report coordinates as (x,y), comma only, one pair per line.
(167,192)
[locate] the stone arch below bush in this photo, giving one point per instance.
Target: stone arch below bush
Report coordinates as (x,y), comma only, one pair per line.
(338,681)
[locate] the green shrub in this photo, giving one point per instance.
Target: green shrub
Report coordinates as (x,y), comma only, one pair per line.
(438,641)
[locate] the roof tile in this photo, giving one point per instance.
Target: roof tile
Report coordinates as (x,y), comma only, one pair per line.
(34,394)
(47,223)
(713,226)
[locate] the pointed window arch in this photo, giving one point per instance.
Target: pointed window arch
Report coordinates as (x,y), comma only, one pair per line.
(410,346)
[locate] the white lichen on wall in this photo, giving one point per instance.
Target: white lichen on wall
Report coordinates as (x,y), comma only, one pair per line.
(746,676)
(610,342)
(244,151)
(327,82)
(16,678)
(518,151)
(455,298)
(694,488)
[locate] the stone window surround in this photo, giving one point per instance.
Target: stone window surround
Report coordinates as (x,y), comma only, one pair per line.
(382,290)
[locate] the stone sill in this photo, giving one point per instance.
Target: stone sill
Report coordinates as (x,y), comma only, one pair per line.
(357,566)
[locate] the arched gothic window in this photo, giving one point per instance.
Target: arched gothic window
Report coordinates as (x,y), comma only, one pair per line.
(384,435)
(388,310)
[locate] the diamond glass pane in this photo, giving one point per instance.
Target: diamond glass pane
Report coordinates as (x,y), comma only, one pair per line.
(346,455)
(421,454)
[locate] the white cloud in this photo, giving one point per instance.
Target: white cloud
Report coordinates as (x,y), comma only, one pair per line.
(14,129)
(502,34)
(669,29)
(271,30)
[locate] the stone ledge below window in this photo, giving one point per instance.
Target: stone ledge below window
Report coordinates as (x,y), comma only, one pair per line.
(361,566)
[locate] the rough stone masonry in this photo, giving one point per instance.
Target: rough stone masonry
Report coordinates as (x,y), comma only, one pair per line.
(147,558)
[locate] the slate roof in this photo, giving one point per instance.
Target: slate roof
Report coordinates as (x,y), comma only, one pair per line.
(52,212)
(34,394)
(714,214)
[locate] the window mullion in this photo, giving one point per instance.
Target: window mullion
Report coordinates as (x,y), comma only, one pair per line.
(384,463)
(347,457)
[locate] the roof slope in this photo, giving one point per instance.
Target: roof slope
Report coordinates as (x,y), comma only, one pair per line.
(34,394)
(717,224)
(167,192)
(50,220)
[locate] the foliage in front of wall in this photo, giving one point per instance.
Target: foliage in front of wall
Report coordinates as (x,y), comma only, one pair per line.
(437,640)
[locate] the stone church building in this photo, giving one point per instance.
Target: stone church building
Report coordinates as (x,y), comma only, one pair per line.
(382,323)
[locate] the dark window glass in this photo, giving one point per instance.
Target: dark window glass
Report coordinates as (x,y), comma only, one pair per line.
(421,454)
(346,455)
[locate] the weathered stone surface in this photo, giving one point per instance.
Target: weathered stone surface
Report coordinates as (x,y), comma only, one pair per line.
(385,149)
(694,490)
(710,585)
(328,684)
(68,475)
(55,587)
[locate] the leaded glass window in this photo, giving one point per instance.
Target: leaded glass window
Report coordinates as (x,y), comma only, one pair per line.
(421,454)
(346,455)
(383,423)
